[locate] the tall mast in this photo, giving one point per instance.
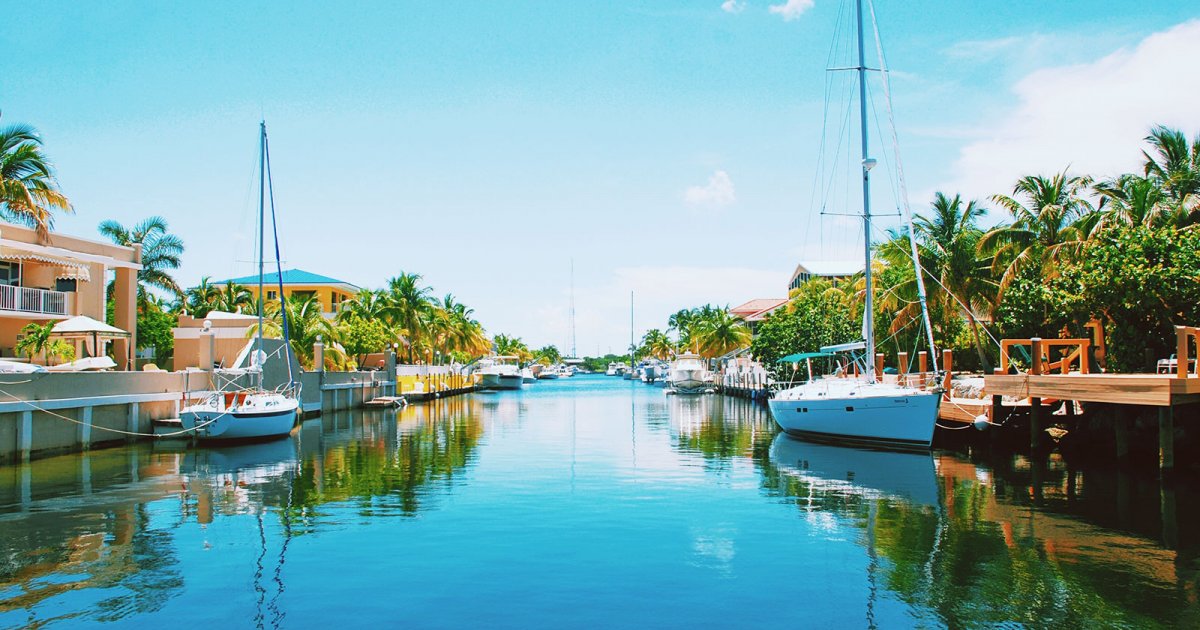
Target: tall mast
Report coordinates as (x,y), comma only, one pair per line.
(262,188)
(867,163)
(632,344)
(573,354)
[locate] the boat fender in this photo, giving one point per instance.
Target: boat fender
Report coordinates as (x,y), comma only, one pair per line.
(982,422)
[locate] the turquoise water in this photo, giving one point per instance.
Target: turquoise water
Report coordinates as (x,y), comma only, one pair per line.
(584,502)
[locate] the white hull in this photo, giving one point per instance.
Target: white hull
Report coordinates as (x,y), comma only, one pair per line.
(685,381)
(857,472)
(856,413)
(265,416)
(548,374)
(502,381)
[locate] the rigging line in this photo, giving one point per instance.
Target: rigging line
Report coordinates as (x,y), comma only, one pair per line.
(34,407)
(283,314)
(958,301)
(912,238)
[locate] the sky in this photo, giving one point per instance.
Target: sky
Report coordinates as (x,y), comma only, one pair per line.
(672,149)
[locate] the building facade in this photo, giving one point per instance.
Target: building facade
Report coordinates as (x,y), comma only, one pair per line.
(50,280)
(330,292)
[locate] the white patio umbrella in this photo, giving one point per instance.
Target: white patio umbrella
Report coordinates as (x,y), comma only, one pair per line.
(93,333)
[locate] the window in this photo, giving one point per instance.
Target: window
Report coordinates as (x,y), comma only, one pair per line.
(10,273)
(66,285)
(271,295)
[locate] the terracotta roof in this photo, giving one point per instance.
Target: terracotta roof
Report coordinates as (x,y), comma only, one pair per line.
(754,307)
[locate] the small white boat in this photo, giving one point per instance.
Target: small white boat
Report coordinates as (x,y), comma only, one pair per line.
(688,374)
(17,367)
(613,370)
(527,375)
(500,372)
(255,413)
(548,372)
(241,416)
(86,364)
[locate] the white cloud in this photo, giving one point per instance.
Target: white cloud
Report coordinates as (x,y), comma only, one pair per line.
(791,9)
(1090,116)
(733,6)
(717,192)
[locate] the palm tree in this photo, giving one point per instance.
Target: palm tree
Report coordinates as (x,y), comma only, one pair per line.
(512,346)
(1052,220)
(1175,163)
(366,304)
(717,332)
(233,298)
(199,300)
(548,355)
(29,192)
(466,335)
(408,306)
(305,325)
(657,344)
(161,251)
(957,279)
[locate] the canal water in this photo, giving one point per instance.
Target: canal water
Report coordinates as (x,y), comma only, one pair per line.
(591,502)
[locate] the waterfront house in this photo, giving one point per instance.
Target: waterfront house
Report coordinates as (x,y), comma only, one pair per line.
(330,292)
(230,334)
(61,277)
(755,311)
(832,270)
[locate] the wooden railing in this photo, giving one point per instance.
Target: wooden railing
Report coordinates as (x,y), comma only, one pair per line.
(29,300)
(1184,334)
(1041,352)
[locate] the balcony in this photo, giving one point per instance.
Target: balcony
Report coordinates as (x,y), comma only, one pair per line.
(27,300)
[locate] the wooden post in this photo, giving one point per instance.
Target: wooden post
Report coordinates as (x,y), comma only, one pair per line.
(879,366)
(922,362)
(997,407)
(1036,351)
(1121,435)
(902,357)
(1181,352)
(948,366)
(1166,440)
(1035,423)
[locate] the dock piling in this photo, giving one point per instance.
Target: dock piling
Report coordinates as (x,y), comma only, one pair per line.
(1166,440)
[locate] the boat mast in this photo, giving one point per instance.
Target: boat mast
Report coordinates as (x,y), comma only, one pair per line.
(632,345)
(262,189)
(573,354)
(867,164)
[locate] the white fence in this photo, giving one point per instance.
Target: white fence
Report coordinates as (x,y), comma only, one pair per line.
(29,300)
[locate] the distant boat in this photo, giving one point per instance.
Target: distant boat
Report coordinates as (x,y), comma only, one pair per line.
(500,372)
(862,410)
(548,372)
(688,374)
(613,369)
(527,375)
(252,413)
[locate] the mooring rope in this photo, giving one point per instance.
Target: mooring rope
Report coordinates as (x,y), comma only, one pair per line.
(34,407)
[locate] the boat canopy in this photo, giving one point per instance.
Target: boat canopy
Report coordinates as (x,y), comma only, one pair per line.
(802,356)
(846,347)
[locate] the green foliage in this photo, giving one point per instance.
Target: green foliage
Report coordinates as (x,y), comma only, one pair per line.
(548,355)
(36,340)
(155,326)
(813,319)
(600,364)
(361,336)
(29,193)
(1142,281)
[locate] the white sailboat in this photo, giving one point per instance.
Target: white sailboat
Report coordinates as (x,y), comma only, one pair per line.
(862,410)
(254,412)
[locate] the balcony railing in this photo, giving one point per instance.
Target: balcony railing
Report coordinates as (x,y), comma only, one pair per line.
(27,300)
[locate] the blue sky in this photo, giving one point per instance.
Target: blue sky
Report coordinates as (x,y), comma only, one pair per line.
(668,147)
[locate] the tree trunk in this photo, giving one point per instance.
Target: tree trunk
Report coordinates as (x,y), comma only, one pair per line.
(983,357)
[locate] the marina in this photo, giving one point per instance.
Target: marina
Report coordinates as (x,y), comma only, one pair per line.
(695,508)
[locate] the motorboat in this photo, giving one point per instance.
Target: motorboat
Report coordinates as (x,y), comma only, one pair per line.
(613,369)
(500,372)
(527,375)
(548,372)
(688,374)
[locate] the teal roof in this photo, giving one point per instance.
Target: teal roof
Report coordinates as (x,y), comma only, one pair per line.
(796,358)
(290,276)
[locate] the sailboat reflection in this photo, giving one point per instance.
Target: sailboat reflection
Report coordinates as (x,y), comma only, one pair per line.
(910,477)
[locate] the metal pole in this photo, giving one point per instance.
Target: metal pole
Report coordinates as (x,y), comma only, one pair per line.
(869,311)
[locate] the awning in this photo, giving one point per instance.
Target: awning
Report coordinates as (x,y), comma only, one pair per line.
(67,269)
(802,356)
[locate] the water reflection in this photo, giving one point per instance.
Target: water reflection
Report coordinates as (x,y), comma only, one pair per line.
(947,537)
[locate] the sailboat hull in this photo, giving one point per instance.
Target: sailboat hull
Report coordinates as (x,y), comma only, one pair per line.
(898,422)
(214,424)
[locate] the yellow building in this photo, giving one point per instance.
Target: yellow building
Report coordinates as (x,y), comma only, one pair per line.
(331,293)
